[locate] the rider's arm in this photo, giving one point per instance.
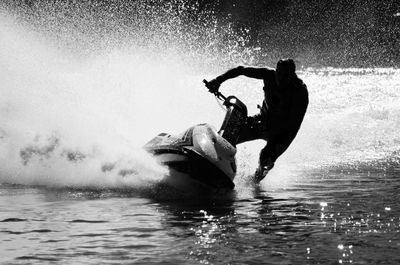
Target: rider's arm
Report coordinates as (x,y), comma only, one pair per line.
(252,72)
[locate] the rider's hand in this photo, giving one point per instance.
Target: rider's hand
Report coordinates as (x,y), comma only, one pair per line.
(213,85)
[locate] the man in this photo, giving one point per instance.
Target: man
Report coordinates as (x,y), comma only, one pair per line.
(282,112)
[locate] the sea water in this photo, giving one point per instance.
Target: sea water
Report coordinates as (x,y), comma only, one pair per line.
(77,188)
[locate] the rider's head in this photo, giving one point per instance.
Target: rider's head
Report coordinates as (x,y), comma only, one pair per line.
(285,68)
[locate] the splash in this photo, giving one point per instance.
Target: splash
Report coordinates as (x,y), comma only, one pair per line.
(86,85)
(66,121)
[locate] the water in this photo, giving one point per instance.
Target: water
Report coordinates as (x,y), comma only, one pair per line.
(324,217)
(76,187)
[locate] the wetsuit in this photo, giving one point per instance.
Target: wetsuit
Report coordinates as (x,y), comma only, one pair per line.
(281,115)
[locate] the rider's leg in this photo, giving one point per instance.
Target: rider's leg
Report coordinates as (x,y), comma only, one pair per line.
(274,148)
(252,130)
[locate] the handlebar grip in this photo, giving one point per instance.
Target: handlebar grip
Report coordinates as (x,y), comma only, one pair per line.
(217,93)
(206,84)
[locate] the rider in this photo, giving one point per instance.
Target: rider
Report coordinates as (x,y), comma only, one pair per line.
(282,112)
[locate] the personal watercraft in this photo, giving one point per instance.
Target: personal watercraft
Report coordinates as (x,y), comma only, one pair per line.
(201,156)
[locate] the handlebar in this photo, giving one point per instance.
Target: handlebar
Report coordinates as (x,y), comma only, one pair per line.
(218,94)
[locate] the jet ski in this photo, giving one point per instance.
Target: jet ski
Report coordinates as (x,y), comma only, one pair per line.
(202,157)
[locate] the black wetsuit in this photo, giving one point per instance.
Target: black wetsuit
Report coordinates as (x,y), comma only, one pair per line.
(281,115)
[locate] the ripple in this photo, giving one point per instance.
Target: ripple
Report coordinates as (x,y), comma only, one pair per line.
(27,232)
(91,235)
(14,220)
(88,221)
(138,246)
(36,258)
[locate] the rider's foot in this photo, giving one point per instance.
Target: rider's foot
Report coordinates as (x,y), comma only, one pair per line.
(261,172)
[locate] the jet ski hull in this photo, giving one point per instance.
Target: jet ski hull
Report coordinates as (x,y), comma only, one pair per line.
(199,157)
(186,165)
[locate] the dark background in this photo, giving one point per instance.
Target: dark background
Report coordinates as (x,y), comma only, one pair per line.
(360,33)
(337,33)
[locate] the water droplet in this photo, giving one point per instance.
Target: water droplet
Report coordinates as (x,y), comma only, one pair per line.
(388,209)
(340,246)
